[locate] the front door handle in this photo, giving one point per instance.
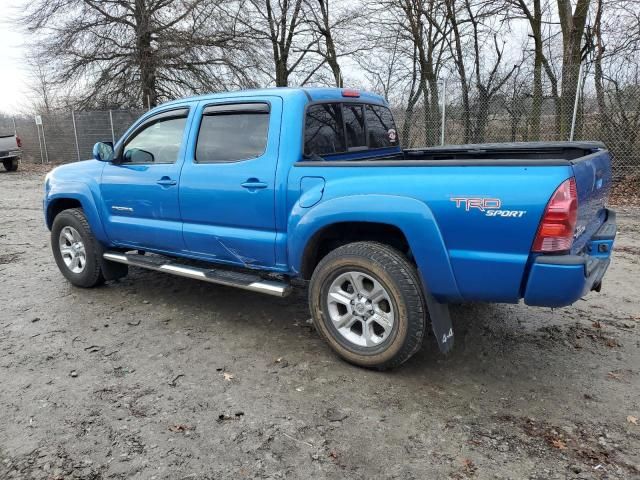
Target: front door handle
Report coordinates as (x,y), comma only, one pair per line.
(253,184)
(166,182)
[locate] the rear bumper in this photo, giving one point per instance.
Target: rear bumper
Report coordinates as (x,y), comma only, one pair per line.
(4,155)
(560,280)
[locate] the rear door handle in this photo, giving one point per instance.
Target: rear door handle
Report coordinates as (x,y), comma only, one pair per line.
(166,182)
(253,184)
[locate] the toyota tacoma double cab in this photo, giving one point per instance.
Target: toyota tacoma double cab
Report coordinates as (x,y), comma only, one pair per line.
(266,189)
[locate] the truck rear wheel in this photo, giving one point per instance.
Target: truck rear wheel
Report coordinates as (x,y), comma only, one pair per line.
(10,165)
(367,303)
(75,249)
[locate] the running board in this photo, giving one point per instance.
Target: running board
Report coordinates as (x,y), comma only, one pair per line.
(229,278)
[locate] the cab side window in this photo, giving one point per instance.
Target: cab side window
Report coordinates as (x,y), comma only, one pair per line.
(232,133)
(157,142)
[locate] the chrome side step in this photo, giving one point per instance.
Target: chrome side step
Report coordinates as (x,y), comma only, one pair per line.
(229,278)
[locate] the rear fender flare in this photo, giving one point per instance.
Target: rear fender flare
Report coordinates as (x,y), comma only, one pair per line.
(413,217)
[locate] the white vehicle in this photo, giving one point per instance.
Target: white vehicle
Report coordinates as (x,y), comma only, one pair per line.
(10,151)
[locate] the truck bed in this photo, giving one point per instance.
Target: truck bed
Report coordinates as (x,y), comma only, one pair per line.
(480,154)
(522,176)
(562,152)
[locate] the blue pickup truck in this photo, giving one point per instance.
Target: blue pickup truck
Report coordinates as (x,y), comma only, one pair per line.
(265,189)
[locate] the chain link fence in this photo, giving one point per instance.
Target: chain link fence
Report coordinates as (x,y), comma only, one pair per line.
(611,115)
(63,137)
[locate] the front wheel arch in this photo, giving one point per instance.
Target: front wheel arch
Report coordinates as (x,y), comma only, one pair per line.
(58,206)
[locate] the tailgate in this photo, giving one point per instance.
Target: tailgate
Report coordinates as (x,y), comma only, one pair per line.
(8,142)
(593,181)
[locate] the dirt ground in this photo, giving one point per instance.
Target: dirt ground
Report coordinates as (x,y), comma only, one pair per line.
(160,377)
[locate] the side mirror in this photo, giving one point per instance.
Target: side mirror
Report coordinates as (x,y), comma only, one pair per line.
(103,151)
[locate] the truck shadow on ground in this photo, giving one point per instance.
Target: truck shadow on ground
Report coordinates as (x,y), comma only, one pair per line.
(495,343)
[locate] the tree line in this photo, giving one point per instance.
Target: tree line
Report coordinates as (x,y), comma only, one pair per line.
(522,56)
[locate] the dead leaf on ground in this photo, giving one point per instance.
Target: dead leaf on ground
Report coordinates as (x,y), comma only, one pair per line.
(224,417)
(617,376)
(632,419)
(469,466)
(228,376)
(559,444)
(179,428)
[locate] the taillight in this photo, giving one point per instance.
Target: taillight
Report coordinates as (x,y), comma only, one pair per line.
(19,141)
(558,223)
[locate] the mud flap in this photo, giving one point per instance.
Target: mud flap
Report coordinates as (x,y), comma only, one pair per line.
(110,270)
(113,270)
(440,322)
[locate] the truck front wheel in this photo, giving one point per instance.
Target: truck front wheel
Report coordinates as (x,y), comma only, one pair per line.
(75,249)
(366,302)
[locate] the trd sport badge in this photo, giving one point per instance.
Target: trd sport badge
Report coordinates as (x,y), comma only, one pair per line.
(491,207)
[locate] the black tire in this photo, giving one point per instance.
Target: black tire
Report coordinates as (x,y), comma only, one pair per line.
(10,165)
(91,274)
(398,277)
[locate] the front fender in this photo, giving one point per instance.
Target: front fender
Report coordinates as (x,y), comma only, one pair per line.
(411,216)
(81,192)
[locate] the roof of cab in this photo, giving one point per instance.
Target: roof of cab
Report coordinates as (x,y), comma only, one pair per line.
(311,94)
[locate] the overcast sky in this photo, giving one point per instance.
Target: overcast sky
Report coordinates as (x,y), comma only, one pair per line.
(13,88)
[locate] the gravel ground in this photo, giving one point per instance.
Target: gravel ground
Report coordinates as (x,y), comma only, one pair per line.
(160,377)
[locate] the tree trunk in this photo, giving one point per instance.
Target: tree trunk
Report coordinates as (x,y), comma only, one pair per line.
(282,75)
(145,54)
(406,126)
(482,115)
(537,99)
(572,30)
(331,54)
(434,106)
(458,59)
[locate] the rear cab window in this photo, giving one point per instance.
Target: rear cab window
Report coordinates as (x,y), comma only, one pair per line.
(324,130)
(333,128)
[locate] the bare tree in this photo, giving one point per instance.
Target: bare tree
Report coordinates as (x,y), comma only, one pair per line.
(470,25)
(44,97)
(385,67)
(417,29)
(459,60)
(279,27)
(534,17)
(136,52)
(518,92)
(334,26)
(572,24)
(617,83)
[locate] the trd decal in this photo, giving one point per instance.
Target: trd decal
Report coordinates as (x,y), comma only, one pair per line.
(481,204)
(491,207)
